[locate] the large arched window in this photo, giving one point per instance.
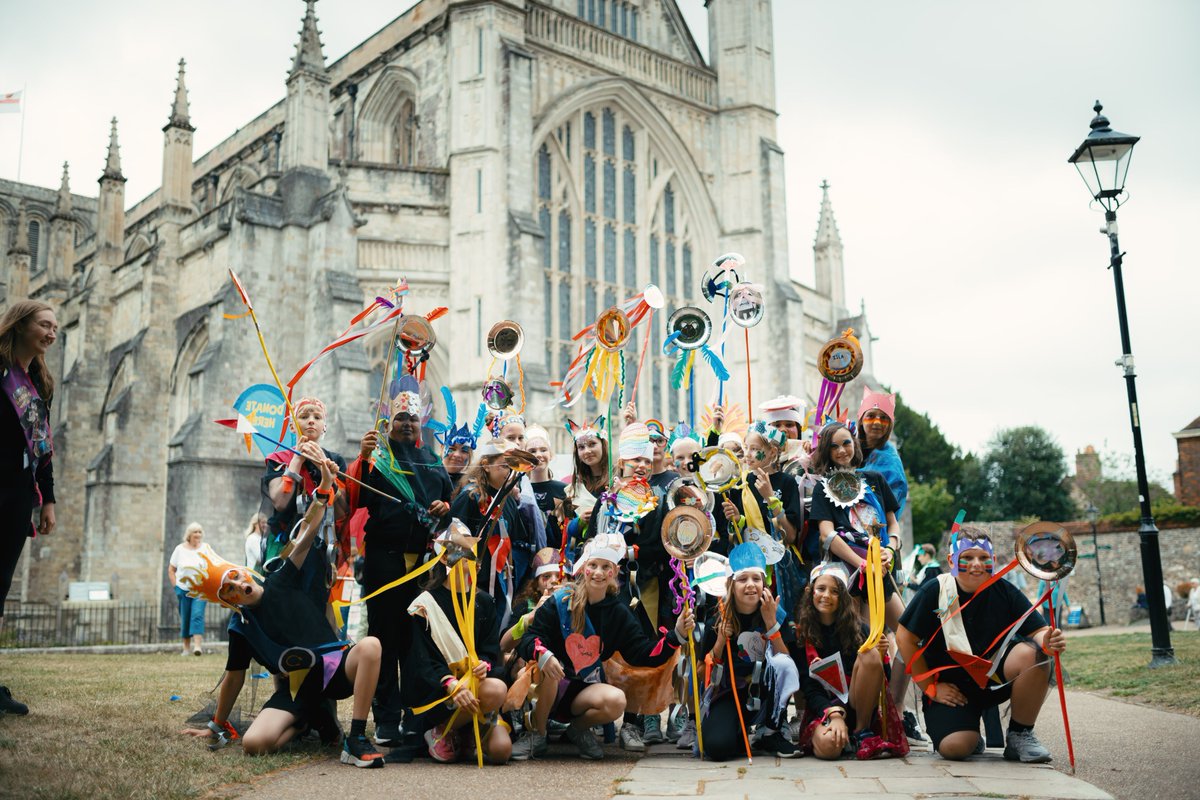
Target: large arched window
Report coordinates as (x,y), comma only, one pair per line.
(612,222)
(387,123)
(37,246)
(187,379)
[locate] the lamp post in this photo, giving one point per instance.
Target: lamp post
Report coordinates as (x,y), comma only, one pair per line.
(1103,163)
(1093,514)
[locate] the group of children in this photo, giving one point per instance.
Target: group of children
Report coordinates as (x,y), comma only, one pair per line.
(506,608)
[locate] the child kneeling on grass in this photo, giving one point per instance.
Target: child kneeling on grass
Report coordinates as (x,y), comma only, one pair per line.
(286,632)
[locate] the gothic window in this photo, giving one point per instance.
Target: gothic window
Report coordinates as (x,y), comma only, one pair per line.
(617,16)
(187,380)
(387,121)
(37,253)
(637,231)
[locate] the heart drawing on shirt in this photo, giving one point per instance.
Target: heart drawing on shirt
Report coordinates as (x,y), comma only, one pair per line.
(583,652)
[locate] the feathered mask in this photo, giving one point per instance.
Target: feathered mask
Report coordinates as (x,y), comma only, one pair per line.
(450,433)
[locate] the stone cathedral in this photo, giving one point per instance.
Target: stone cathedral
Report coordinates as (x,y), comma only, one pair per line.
(531,160)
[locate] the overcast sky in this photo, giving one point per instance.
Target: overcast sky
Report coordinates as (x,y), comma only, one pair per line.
(942,127)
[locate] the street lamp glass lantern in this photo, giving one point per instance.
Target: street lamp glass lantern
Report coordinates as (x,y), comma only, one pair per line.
(1103,161)
(1092,513)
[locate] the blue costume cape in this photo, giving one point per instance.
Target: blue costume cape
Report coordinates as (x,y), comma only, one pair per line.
(886,461)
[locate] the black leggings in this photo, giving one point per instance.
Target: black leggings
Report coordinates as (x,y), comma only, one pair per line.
(16,515)
(389,622)
(723,731)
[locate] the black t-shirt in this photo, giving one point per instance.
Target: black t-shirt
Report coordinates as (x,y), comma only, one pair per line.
(994,610)
(824,509)
(752,624)
(611,620)
(546,493)
(425,666)
(13,453)
(817,697)
(391,525)
(662,480)
(240,653)
(287,614)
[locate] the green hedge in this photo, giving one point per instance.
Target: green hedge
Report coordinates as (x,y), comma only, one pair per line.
(1163,512)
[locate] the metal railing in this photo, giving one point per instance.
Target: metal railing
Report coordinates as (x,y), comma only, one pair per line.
(75,624)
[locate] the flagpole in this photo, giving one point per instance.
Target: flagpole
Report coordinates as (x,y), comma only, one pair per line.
(21,145)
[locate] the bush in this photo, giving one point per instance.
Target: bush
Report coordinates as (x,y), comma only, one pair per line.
(1163,512)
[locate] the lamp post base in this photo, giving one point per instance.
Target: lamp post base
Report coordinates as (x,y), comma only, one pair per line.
(1162,657)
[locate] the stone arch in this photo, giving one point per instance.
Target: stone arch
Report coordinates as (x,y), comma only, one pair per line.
(387,122)
(139,245)
(243,176)
(186,387)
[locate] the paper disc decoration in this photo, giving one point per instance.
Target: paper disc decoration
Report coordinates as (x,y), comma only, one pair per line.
(654,297)
(297,658)
(612,329)
(497,394)
(710,572)
(719,469)
(505,339)
(686,532)
(634,500)
(1046,551)
(831,673)
(692,326)
(685,492)
(844,487)
(717,280)
(746,305)
(416,335)
(841,359)
(771,547)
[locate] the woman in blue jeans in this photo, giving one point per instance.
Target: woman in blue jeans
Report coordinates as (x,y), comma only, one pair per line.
(190,552)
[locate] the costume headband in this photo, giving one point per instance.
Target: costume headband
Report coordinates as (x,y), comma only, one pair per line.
(407,398)
(747,557)
(604,546)
(204,580)
(492,447)
(682,433)
(507,417)
(773,435)
(594,429)
(635,442)
(784,408)
(656,428)
(310,401)
(536,432)
(731,438)
(455,543)
(546,561)
(450,433)
(884,402)
(833,568)
(963,541)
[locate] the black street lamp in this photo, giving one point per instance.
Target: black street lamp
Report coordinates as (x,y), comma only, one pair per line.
(1103,163)
(1093,514)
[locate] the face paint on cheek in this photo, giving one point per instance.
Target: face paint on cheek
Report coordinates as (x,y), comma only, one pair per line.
(989,564)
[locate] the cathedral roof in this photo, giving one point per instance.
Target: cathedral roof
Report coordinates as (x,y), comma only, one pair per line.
(827,232)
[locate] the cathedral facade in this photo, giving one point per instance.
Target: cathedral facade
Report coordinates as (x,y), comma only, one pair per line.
(531,160)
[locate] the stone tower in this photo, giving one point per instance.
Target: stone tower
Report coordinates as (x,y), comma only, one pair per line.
(19,259)
(306,139)
(177,153)
(62,241)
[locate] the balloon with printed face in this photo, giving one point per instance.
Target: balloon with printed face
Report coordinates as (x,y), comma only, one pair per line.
(1046,551)
(746,305)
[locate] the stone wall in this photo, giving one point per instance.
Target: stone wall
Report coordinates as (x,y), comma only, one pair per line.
(1120,567)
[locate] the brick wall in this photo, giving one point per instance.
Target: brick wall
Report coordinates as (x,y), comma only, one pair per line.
(1187,479)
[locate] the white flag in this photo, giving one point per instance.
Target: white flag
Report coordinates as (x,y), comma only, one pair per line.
(10,103)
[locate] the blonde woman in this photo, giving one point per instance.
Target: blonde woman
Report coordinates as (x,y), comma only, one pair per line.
(191,610)
(254,541)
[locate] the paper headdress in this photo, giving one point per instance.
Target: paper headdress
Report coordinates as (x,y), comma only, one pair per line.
(833,568)
(784,408)
(450,433)
(594,429)
(682,433)
(406,399)
(536,432)
(604,546)
(309,401)
(969,537)
(747,557)
(730,437)
(656,428)
(493,447)
(545,561)
(455,543)
(635,442)
(884,402)
(204,580)
(508,416)
(771,434)
(735,420)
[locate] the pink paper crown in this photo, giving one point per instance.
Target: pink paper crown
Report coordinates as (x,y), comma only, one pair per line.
(884,402)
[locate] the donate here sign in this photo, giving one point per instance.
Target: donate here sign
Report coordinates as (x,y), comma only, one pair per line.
(263,405)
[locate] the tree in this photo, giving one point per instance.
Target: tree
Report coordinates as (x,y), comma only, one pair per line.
(1024,471)
(926,453)
(1113,495)
(933,510)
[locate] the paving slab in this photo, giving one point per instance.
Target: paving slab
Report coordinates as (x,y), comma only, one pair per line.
(1048,784)
(819,787)
(901,784)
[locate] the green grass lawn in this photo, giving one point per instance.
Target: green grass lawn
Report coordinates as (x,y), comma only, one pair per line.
(1116,665)
(104,726)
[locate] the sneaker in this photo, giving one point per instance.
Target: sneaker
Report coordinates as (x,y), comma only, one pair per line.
(587,743)
(775,743)
(687,735)
(197,652)
(387,734)
(871,745)
(1024,746)
(10,706)
(441,745)
(630,738)
(530,744)
(359,751)
(555,730)
(675,722)
(979,748)
(651,730)
(912,730)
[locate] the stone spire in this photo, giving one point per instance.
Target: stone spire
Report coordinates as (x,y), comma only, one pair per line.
(112,167)
(20,245)
(827,232)
(62,207)
(827,255)
(308,49)
(179,109)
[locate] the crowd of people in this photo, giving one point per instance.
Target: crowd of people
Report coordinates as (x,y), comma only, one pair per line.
(506,608)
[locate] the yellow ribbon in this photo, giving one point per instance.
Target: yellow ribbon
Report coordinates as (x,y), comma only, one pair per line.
(338,605)
(873,571)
